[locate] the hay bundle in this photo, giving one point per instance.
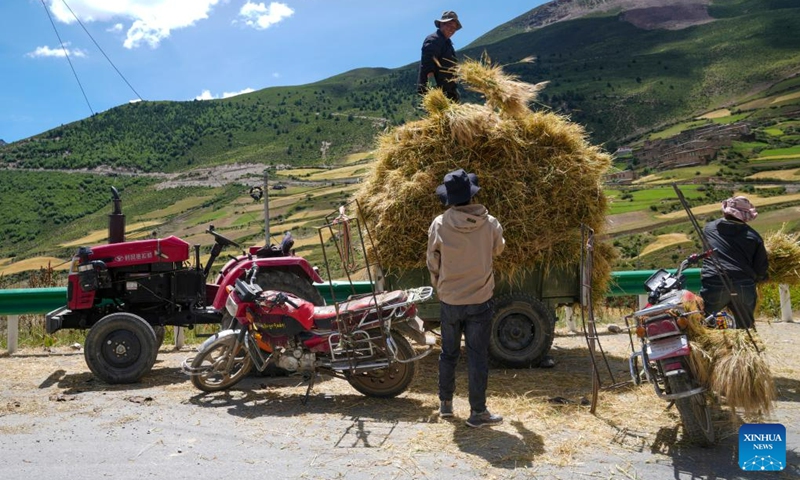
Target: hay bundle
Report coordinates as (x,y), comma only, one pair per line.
(727,362)
(783,253)
(538,175)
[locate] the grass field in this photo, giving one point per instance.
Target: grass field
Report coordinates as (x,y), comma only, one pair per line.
(665,241)
(781,152)
(641,200)
(679,174)
(676,129)
(792,174)
(99,236)
(35,263)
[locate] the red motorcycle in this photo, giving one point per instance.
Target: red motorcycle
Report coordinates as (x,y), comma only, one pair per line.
(362,340)
(665,349)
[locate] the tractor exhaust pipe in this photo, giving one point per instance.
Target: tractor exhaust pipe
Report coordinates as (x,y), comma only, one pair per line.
(116,220)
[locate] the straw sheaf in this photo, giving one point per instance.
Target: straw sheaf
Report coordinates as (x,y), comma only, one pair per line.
(503,92)
(727,362)
(538,175)
(783,254)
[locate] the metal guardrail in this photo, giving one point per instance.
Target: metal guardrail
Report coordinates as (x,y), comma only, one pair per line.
(30,301)
(632,282)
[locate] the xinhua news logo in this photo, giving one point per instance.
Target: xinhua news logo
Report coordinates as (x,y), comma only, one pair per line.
(762,447)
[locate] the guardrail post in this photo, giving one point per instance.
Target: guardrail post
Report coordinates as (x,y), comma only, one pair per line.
(786,303)
(569,315)
(13,333)
(179,338)
(642,301)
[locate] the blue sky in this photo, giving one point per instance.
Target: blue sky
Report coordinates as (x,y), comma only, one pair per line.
(187,49)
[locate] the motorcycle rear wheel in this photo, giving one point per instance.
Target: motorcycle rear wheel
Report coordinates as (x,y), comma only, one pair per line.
(390,381)
(213,360)
(695,413)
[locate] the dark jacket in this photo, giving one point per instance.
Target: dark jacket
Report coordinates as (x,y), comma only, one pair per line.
(740,251)
(438,56)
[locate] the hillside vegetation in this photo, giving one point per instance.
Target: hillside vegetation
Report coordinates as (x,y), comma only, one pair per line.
(611,67)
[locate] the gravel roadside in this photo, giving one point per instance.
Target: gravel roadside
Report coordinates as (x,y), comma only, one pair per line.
(56,420)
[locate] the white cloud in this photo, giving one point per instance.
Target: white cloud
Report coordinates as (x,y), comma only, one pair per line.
(116,28)
(276,75)
(261,17)
(56,52)
(206,95)
(240,92)
(151,20)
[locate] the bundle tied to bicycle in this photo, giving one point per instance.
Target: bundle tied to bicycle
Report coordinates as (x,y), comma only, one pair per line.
(538,173)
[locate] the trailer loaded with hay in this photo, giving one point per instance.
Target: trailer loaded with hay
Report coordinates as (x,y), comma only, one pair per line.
(539,176)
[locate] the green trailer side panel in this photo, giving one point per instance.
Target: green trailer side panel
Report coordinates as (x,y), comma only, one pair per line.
(556,286)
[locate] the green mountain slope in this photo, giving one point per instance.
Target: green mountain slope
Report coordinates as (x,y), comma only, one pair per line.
(616,78)
(608,68)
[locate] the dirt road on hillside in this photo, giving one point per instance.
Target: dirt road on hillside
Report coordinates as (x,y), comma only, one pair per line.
(57,421)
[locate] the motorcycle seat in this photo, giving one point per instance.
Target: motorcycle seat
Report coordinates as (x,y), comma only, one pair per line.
(324,316)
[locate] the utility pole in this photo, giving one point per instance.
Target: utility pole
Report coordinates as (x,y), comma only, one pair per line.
(266,206)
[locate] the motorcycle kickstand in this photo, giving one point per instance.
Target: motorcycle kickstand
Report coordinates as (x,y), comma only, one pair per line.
(311,379)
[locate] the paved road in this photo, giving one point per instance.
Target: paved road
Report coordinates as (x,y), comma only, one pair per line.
(56,421)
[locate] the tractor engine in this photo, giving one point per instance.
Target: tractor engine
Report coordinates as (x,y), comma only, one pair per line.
(145,274)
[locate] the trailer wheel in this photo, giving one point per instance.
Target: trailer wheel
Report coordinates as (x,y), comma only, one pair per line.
(522,330)
(120,348)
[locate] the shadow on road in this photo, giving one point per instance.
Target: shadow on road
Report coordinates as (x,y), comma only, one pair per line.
(499,448)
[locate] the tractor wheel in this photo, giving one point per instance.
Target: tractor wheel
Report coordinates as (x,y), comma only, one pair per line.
(160,332)
(522,331)
(120,348)
(284,281)
(281,281)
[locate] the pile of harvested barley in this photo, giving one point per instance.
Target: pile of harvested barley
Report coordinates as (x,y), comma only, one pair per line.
(538,174)
(731,363)
(783,252)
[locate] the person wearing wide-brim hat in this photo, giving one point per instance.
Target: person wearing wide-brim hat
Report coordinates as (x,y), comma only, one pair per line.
(462,243)
(439,57)
(741,255)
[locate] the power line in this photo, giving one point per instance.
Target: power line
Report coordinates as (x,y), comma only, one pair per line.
(66,54)
(101,51)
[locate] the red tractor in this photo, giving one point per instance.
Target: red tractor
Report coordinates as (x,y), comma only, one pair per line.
(125,293)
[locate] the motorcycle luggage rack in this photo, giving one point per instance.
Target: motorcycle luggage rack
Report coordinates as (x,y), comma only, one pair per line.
(347,236)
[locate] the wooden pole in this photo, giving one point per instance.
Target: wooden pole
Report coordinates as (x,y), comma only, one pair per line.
(266,207)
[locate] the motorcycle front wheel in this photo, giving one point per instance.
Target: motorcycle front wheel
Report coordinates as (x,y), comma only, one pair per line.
(695,413)
(210,365)
(390,381)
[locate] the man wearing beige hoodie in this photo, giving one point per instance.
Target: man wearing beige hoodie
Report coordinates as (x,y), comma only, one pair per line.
(462,243)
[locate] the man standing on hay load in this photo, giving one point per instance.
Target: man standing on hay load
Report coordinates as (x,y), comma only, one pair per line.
(462,243)
(439,57)
(740,254)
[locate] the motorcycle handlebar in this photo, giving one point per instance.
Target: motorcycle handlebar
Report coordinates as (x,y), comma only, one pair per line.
(281,298)
(696,257)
